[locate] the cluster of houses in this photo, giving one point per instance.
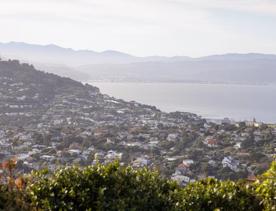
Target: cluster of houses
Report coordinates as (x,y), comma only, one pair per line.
(206,154)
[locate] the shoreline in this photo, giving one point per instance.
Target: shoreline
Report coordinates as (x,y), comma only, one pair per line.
(179,82)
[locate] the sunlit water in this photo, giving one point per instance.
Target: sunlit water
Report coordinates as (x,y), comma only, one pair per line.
(239,102)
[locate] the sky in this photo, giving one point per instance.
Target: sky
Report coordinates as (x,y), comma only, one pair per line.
(144,27)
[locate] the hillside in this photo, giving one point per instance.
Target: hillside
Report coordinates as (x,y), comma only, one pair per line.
(31,98)
(48,121)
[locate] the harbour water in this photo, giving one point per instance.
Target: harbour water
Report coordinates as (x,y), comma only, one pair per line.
(238,102)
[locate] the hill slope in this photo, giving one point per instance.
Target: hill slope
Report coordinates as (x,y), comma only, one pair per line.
(33,98)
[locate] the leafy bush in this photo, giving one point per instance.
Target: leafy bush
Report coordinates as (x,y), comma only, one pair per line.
(211,194)
(101,188)
(3,197)
(265,188)
(113,187)
(11,200)
(267,191)
(11,194)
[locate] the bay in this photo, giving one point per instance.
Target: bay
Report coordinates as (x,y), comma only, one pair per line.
(215,101)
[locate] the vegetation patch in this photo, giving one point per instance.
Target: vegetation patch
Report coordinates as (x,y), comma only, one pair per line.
(113,187)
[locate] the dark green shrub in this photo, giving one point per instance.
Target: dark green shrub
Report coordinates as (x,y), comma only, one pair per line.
(211,194)
(265,188)
(100,187)
(11,200)
(3,197)
(113,187)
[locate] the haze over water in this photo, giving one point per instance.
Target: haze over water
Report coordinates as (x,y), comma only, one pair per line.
(238,102)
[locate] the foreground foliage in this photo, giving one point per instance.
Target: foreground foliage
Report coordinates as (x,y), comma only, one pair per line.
(113,187)
(101,188)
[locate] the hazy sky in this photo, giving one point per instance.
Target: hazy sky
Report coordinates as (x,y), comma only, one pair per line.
(144,27)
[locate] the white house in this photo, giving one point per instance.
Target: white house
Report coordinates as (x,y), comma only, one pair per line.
(172,137)
(231,163)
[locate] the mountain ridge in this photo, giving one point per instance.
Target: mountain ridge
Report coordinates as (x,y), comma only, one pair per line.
(249,55)
(87,66)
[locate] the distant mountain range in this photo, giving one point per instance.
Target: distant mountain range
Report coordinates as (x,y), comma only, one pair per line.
(116,66)
(53,54)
